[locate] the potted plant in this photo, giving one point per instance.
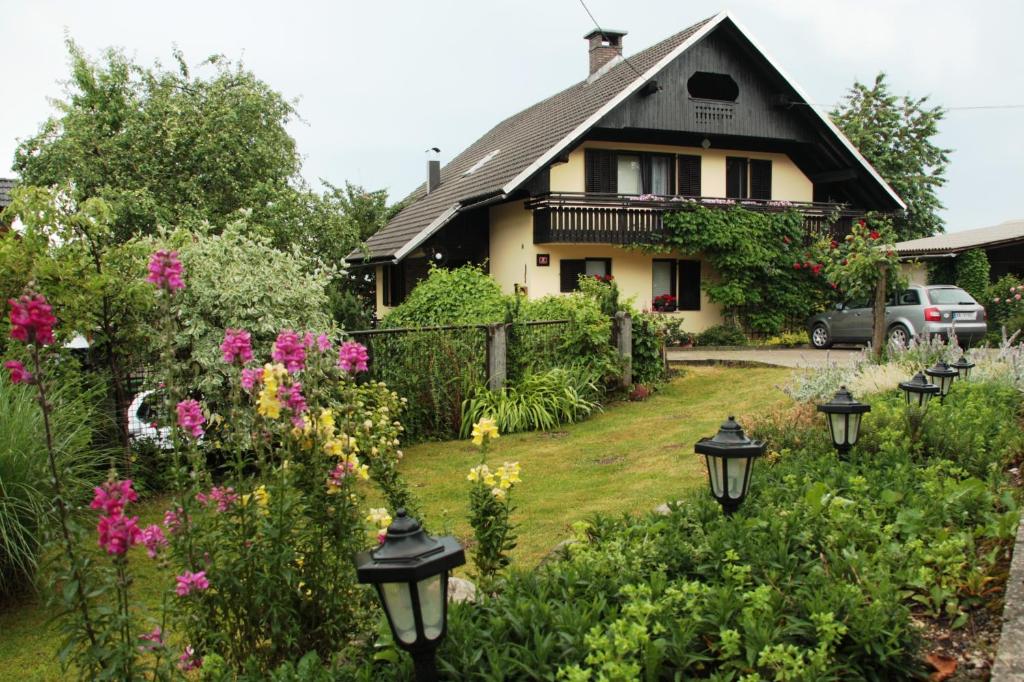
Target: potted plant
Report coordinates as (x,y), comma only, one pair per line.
(664,303)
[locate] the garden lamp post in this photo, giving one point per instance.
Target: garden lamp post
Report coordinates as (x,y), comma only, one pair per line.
(843,415)
(918,390)
(943,375)
(730,457)
(410,570)
(963,367)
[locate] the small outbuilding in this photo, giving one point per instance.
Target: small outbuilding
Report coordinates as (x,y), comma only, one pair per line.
(1003,244)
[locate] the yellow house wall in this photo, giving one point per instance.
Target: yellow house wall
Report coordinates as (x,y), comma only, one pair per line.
(514,262)
(915,273)
(788,182)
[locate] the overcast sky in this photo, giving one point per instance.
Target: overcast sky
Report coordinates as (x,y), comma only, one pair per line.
(377,83)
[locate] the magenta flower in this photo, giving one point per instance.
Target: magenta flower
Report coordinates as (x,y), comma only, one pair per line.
(292,398)
(323,343)
(19,375)
(223,497)
(251,377)
(154,639)
(153,538)
(289,350)
(165,270)
(113,496)
(237,345)
(117,533)
(189,582)
(172,519)
(188,660)
(352,357)
(190,417)
(32,319)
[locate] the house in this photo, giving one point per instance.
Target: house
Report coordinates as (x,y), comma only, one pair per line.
(559,189)
(6,185)
(1003,244)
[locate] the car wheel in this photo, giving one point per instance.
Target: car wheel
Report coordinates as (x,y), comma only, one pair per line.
(899,335)
(820,337)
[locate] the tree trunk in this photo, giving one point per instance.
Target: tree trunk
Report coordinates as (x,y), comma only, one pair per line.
(878,330)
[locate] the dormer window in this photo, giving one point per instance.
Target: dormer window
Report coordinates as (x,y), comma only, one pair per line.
(714,86)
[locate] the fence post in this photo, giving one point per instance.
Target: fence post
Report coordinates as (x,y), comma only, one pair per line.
(497,345)
(622,333)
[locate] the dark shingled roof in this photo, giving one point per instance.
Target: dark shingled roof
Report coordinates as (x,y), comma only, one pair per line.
(521,139)
(6,184)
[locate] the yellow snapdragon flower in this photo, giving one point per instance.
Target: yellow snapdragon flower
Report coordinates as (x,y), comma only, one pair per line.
(268,404)
(260,495)
(485,428)
(379,517)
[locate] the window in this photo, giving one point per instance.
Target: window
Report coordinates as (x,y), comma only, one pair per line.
(613,172)
(680,279)
(717,86)
(689,175)
(572,268)
(909,297)
(950,296)
(748,178)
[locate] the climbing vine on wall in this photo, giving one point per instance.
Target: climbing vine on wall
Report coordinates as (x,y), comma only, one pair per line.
(767,276)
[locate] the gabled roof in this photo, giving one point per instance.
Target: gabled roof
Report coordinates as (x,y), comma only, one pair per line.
(965,240)
(524,143)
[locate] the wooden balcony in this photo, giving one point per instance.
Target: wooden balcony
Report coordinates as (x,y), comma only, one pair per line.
(576,217)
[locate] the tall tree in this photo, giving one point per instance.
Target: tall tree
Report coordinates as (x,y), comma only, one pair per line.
(896,134)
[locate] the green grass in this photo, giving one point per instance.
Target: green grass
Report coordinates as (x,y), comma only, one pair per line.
(630,458)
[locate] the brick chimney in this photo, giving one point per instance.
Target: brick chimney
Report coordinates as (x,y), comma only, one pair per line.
(604,46)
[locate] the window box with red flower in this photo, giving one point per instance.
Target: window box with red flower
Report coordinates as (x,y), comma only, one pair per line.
(664,303)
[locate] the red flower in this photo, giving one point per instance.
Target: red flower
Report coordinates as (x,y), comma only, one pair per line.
(833,285)
(796,266)
(861,223)
(845,262)
(874,234)
(787,240)
(834,244)
(32,319)
(815,269)
(19,375)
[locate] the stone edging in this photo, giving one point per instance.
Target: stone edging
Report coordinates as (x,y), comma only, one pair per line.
(703,349)
(1009,661)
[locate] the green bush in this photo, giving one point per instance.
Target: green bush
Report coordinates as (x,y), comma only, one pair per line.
(648,364)
(536,402)
(821,575)
(1003,307)
(585,340)
(25,492)
(787,340)
(465,295)
(972,273)
(722,335)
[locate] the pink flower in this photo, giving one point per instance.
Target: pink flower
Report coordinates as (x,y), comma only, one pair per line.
(289,350)
(32,319)
(153,538)
(995,300)
(323,343)
(155,637)
(237,345)
(292,398)
(19,375)
(189,582)
(251,377)
(382,535)
(165,270)
(352,357)
(1016,297)
(188,660)
(190,417)
(172,519)
(224,497)
(113,496)
(117,533)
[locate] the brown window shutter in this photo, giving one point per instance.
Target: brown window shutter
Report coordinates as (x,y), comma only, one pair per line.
(600,171)
(760,179)
(570,272)
(689,175)
(735,177)
(689,285)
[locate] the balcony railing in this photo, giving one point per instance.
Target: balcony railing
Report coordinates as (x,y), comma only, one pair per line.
(577,217)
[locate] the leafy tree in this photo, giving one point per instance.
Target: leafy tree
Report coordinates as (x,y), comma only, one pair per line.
(972,273)
(896,135)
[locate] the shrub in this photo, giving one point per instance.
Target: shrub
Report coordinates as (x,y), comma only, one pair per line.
(722,335)
(672,331)
(972,273)
(648,363)
(586,340)
(26,511)
(465,295)
(536,402)
(787,340)
(1003,306)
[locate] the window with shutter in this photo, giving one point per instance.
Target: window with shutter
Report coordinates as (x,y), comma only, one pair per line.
(760,179)
(570,272)
(599,171)
(735,177)
(689,175)
(689,285)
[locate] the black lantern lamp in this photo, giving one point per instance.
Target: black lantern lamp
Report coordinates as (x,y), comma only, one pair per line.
(730,458)
(843,415)
(963,367)
(943,376)
(410,570)
(918,390)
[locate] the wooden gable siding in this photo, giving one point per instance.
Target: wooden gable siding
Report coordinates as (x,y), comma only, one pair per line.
(755,113)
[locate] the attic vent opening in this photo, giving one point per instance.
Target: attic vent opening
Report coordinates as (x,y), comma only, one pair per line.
(479,164)
(714,86)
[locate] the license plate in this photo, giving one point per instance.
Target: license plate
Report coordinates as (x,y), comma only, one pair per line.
(965,316)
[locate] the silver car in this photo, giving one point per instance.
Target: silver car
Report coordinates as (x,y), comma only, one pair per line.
(916,311)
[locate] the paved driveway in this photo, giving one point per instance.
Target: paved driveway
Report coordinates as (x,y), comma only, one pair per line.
(783,357)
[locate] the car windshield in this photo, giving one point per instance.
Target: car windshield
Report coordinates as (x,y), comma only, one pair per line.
(950,296)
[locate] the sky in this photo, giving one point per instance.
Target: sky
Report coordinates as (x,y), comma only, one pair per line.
(376,84)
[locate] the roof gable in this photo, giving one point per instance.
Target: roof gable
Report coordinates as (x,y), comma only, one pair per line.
(536,136)
(965,240)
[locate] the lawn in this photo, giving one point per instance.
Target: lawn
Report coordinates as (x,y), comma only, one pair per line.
(630,458)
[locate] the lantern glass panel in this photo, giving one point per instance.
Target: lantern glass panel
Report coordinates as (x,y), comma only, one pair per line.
(432,604)
(737,474)
(946,384)
(853,428)
(398,603)
(837,424)
(715,470)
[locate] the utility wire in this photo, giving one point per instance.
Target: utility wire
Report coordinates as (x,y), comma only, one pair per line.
(601,30)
